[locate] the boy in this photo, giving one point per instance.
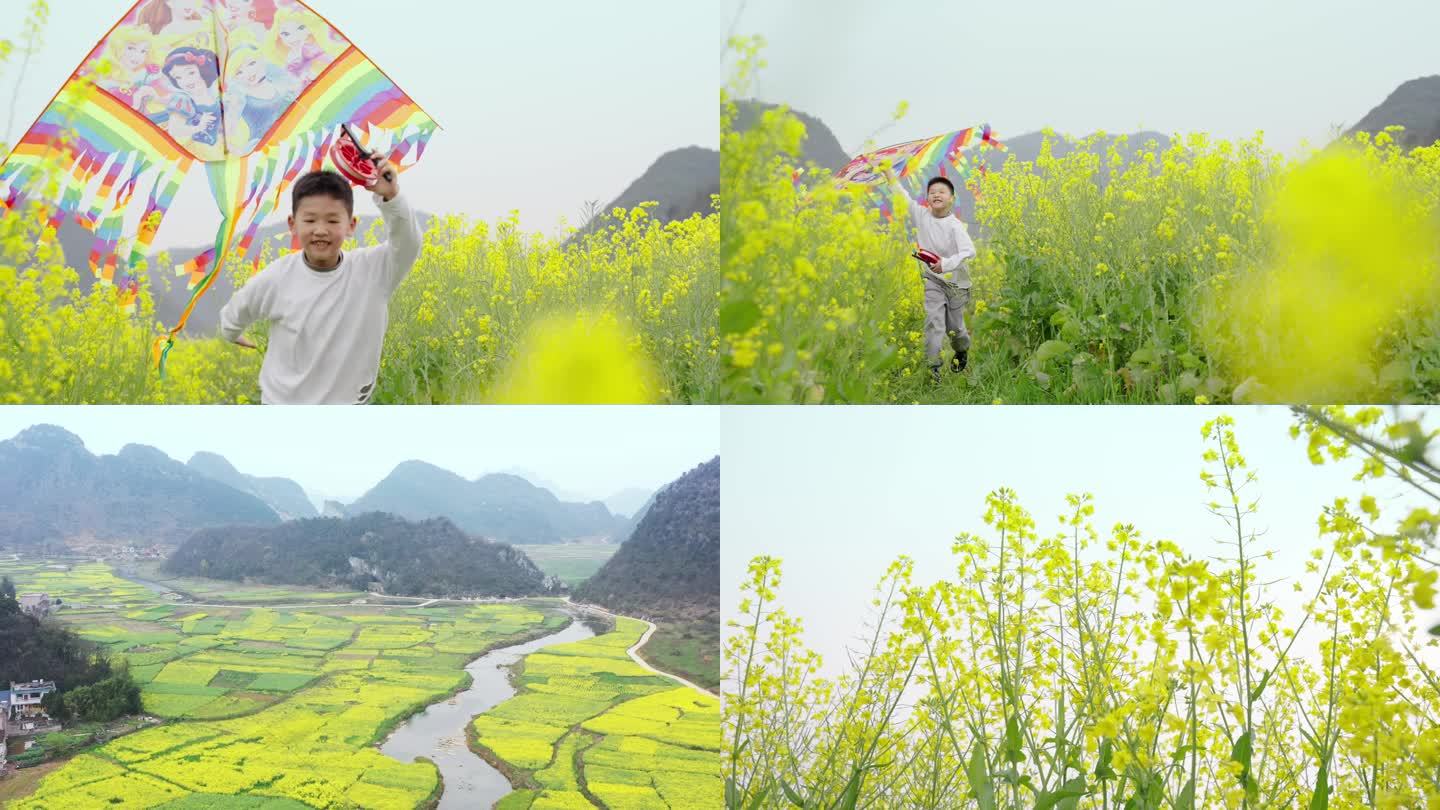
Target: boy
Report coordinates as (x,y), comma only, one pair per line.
(328,309)
(947,282)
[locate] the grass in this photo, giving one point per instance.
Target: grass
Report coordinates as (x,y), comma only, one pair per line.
(690,649)
(22,783)
(573,563)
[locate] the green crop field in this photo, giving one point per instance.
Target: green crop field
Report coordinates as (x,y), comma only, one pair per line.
(590,722)
(263,707)
(571,562)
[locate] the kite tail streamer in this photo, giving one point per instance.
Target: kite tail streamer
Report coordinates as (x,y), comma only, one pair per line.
(227,184)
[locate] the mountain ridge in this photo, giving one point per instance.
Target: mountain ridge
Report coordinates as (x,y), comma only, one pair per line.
(54,490)
(373,551)
(500,506)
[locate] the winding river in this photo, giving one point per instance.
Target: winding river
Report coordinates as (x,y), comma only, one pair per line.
(438,733)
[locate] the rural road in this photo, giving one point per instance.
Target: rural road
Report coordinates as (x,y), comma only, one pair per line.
(635,650)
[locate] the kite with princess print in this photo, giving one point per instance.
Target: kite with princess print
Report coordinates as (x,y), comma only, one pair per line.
(252,92)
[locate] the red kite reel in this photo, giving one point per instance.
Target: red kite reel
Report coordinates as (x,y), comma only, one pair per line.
(353,161)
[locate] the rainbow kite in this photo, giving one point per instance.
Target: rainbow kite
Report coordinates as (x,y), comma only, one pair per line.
(957,156)
(254,91)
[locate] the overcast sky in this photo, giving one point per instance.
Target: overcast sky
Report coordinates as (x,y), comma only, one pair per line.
(595,451)
(544,104)
(839,493)
(1292,68)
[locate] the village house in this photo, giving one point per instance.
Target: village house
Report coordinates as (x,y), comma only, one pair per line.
(4,720)
(27,715)
(39,605)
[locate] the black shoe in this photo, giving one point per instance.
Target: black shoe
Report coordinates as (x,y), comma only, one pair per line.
(935,374)
(959,361)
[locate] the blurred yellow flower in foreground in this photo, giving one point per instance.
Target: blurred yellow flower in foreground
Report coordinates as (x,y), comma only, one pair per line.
(1353,253)
(584,360)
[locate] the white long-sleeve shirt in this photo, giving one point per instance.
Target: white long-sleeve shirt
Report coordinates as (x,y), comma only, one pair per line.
(944,236)
(947,238)
(326,327)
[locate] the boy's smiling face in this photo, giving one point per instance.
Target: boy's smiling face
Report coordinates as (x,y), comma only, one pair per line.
(322,224)
(940,198)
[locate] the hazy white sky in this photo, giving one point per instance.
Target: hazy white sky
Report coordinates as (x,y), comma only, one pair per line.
(1292,68)
(597,451)
(839,493)
(543,104)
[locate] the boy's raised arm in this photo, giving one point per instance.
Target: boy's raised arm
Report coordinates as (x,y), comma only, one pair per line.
(402,240)
(897,189)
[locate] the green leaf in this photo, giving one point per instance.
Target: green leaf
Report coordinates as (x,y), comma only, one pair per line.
(759,798)
(1241,753)
(737,317)
(1014,742)
(1073,789)
(1103,770)
(791,794)
(1396,373)
(732,794)
(1145,355)
(851,797)
(1060,730)
(1260,687)
(880,357)
(1148,796)
(852,389)
(1051,349)
(1321,799)
(979,775)
(1186,799)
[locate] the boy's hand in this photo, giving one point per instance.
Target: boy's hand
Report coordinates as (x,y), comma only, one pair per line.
(387,185)
(245,343)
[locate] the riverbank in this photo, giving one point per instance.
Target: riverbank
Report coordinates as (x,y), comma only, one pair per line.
(439,732)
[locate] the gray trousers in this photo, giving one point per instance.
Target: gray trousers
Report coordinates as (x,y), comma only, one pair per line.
(945,314)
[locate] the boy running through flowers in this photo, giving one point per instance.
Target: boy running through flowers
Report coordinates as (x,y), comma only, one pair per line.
(328,309)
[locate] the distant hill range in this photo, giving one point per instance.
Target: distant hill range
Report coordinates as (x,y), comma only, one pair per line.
(629,501)
(822,148)
(500,506)
(371,552)
(286,497)
(671,563)
(54,492)
(680,181)
(1414,105)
